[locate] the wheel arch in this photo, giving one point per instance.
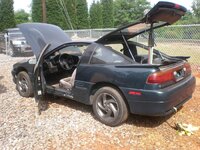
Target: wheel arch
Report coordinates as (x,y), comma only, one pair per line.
(20,69)
(99,85)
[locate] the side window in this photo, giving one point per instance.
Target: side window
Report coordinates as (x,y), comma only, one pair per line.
(74,49)
(104,55)
(117,47)
(83,48)
(141,51)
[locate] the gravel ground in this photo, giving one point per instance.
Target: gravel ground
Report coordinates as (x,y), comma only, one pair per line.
(69,125)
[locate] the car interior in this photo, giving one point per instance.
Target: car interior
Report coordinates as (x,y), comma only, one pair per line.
(59,68)
(138,51)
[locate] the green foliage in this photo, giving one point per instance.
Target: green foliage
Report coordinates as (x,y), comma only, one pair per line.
(121,12)
(178,32)
(53,11)
(72,11)
(82,14)
(189,18)
(103,13)
(7,18)
(192,17)
(36,11)
(196,10)
(69,14)
(127,11)
(54,14)
(21,16)
(107,12)
(96,20)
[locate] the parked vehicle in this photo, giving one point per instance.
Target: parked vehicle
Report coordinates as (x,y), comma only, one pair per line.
(111,74)
(17,43)
(19,47)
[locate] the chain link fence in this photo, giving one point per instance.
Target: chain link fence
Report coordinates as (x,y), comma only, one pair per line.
(179,40)
(176,40)
(88,33)
(2,43)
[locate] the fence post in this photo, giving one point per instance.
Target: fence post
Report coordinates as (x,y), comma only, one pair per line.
(90,33)
(6,42)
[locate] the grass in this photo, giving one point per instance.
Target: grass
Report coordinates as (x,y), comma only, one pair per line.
(181,49)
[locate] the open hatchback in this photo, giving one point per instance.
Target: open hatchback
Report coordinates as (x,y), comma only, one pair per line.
(114,74)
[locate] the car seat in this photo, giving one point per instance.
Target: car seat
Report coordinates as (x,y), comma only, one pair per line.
(68,83)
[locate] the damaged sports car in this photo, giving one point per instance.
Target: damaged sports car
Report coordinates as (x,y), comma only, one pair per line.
(115,80)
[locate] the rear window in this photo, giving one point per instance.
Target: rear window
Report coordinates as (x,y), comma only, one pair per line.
(106,55)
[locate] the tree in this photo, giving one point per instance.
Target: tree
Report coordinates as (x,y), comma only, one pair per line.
(72,12)
(36,11)
(54,14)
(96,20)
(188,18)
(126,11)
(107,13)
(7,16)
(21,16)
(82,14)
(121,12)
(196,10)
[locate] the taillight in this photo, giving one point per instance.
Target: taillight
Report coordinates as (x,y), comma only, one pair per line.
(161,77)
(170,75)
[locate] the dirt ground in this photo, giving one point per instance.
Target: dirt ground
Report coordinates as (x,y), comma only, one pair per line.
(70,125)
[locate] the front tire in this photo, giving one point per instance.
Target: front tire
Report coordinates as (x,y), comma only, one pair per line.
(24,86)
(109,106)
(12,53)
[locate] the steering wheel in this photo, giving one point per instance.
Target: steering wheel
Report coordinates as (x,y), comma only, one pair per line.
(66,61)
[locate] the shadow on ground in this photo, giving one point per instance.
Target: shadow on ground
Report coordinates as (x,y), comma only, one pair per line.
(3,89)
(147,121)
(137,120)
(44,104)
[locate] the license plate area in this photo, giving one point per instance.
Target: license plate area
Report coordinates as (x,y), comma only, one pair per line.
(179,74)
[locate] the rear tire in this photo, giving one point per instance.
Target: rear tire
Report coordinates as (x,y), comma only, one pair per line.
(109,106)
(24,85)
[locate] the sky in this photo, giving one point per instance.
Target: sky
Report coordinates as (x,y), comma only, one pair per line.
(26,4)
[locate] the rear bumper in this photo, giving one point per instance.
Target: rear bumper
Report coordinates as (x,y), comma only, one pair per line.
(160,102)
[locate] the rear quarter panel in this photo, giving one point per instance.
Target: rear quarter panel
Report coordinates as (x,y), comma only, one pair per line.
(118,75)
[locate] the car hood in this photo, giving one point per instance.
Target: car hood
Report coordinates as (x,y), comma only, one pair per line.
(38,35)
(162,14)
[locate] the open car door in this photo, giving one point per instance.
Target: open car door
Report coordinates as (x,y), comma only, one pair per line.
(39,81)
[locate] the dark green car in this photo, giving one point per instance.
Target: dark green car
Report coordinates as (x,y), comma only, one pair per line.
(111,74)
